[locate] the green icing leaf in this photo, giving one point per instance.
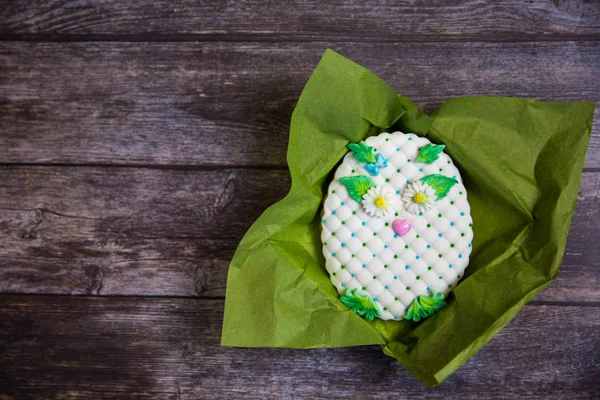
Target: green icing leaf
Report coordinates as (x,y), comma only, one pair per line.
(361,304)
(430,153)
(362,152)
(440,183)
(432,303)
(425,306)
(357,185)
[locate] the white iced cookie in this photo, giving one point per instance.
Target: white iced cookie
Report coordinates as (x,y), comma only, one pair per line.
(397,227)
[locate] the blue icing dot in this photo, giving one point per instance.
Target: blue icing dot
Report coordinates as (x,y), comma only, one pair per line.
(343,203)
(395,317)
(469,244)
(418,257)
(385,246)
(408,181)
(375,255)
(428,246)
(353,275)
(428,288)
(343,285)
(409,138)
(343,244)
(440,277)
(406,267)
(374,298)
(462,214)
(460,256)
(332,254)
(453,176)
(333,212)
(439,234)
(395,235)
(397,192)
(420,169)
(395,277)
(364,265)
(353,234)
(364,223)
(397,148)
(324,221)
(449,265)
(451,223)
(421,213)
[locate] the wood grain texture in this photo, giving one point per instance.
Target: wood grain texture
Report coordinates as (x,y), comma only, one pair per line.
(163,232)
(301,19)
(230,103)
(89,348)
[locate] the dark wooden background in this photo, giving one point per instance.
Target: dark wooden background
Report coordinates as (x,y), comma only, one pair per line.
(140,140)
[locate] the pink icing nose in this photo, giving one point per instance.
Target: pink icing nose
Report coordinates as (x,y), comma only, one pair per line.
(401,226)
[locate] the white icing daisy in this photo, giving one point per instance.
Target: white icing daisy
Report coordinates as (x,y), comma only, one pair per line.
(378,201)
(418,197)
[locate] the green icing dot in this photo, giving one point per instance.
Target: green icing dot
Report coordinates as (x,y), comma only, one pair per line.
(409,160)
(470,224)
(364,245)
(352,255)
(408,288)
(334,274)
(396,214)
(333,191)
(395,255)
(458,276)
(452,245)
(418,277)
(439,255)
(385,266)
(353,171)
(342,267)
(459,192)
(449,286)
(374,277)
(387,179)
(448,162)
(353,212)
(462,234)
(439,215)
(417,236)
(384,308)
(364,288)
(395,298)
(429,225)
(343,222)
(374,233)
(406,246)
(429,268)
(398,170)
(387,139)
(387,224)
(332,233)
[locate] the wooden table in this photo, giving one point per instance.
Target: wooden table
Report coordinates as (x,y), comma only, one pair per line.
(140,140)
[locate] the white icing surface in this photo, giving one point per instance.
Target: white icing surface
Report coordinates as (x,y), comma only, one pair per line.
(384,254)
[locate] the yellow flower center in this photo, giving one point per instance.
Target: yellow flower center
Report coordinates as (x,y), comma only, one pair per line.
(419,198)
(380,202)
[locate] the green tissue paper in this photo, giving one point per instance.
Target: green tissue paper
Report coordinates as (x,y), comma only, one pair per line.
(521,161)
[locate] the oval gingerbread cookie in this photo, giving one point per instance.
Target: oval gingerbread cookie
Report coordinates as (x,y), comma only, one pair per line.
(397,227)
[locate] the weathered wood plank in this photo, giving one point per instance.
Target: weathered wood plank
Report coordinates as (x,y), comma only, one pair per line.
(162,232)
(60,347)
(231,103)
(304,19)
